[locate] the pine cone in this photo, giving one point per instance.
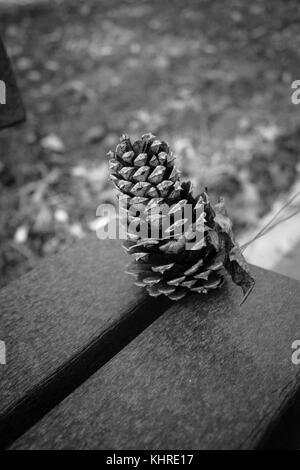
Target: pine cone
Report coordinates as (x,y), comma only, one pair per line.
(174,254)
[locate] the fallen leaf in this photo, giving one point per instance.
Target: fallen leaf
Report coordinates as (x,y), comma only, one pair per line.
(21,234)
(94,135)
(52,143)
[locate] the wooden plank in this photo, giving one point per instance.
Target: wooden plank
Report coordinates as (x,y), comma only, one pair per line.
(286,435)
(60,323)
(12,112)
(206,375)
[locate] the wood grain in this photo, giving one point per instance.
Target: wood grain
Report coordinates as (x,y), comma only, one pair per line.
(60,323)
(13,111)
(206,375)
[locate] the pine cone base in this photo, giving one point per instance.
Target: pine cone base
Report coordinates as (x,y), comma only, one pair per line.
(173,275)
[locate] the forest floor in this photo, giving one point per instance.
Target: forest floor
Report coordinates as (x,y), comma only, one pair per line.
(212,78)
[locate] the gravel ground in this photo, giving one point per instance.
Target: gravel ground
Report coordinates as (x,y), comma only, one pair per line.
(213,78)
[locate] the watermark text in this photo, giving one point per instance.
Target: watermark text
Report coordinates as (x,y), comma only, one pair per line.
(2,92)
(296,353)
(295,98)
(155,220)
(2,353)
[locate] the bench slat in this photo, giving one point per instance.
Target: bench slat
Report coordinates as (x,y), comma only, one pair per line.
(60,323)
(13,111)
(206,374)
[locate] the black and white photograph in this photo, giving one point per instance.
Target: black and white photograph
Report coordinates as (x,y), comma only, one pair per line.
(149,227)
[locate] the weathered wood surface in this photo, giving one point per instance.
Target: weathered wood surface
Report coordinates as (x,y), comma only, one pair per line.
(206,374)
(13,111)
(60,323)
(286,435)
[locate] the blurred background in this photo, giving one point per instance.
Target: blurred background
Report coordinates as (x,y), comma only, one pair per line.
(212,78)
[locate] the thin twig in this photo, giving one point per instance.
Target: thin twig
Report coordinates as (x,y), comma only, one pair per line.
(243,247)
(268,226)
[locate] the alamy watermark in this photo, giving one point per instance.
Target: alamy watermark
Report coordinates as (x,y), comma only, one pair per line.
(2,353)
(2,92)
(295,98)
(154,220)
(296,353)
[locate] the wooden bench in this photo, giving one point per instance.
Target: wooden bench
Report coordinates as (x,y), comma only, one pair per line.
(11,108)
(93,363)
